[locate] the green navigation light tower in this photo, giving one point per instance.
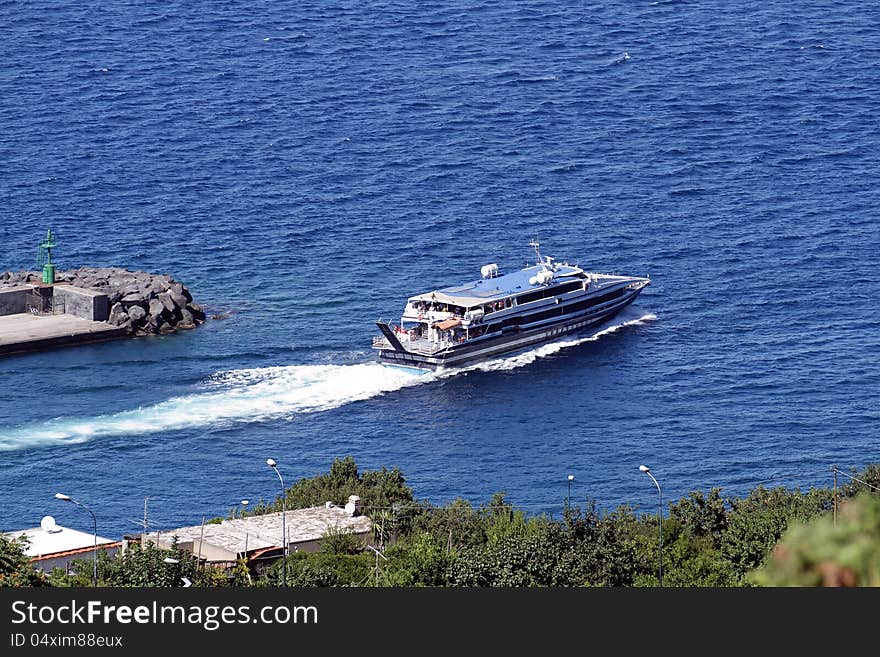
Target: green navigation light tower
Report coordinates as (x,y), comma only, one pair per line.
(44,258)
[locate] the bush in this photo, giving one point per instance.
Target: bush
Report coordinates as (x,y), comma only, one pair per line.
(817,553)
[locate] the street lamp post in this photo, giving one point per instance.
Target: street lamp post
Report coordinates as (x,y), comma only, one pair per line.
(647,471)
(568,499)
(272,464)
(68,498)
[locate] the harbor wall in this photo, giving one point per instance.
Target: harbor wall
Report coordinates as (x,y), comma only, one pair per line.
(82,303)
(15,300)
(140,302)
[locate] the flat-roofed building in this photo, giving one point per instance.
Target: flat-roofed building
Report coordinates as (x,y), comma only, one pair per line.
(51,545)
(259,538)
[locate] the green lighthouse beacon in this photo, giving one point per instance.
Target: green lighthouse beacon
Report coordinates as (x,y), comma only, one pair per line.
(44,258)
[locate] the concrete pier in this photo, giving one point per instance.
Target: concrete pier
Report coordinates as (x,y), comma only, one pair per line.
(90,305)
(23,332)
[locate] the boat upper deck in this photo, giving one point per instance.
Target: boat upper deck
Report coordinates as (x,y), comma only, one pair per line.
(487,290)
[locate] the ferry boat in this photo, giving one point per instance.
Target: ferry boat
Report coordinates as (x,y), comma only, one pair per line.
(502,313)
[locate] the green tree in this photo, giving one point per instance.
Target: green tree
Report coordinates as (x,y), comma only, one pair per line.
(457,524)
(501,520)
(419,560)
(378,490)
(702,515)
(15,566)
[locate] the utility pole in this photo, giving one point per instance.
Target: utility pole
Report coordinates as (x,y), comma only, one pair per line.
(834,469)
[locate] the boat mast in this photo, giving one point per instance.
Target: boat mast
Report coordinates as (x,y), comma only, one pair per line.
(535,244)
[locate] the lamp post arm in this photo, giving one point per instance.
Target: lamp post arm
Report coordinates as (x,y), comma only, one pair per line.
(656,483)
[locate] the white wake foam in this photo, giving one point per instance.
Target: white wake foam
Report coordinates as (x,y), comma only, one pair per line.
(260,394)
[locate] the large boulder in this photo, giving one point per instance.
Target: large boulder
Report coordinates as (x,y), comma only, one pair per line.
(157,309)
(167,301)
(136,314)
(178,298)
(180,288)
(153,324)
(117,315)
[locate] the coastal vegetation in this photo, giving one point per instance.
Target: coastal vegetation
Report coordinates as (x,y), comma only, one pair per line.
(771,537)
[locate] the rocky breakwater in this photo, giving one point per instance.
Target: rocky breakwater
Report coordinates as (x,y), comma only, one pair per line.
(140,302)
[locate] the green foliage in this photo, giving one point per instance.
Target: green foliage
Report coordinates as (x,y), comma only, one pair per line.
(817,553)
(81,571)
(708,540)
(502,520)
(146,566)
(419,560)
(341,541)
(583,549)
(871,477)
(378,490)
(691,561)
(456,523)
(15,566)
(323,569)
(241,574)
(757,522)
(700,515)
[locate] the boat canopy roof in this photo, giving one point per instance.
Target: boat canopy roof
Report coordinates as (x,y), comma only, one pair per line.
(448,323)
(487,290)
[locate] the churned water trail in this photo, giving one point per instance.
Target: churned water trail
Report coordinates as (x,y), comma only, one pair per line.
(264,393)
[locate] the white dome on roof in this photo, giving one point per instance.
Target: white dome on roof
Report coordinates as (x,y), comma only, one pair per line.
(47,524)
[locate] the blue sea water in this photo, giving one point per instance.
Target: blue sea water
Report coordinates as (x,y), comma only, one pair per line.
(304,167)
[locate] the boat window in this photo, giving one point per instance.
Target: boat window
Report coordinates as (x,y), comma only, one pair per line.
(557,310)
(568,287)
(549,292)
(531,296)
(609,296)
